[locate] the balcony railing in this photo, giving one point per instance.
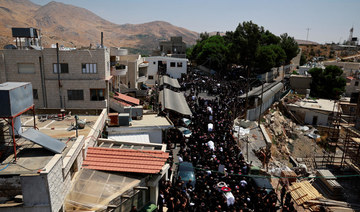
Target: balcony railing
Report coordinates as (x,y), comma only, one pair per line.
(144,64)
(119,71)
(141,79)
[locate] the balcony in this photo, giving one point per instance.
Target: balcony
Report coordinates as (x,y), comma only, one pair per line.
(141,79)
(119,70)
(144,64)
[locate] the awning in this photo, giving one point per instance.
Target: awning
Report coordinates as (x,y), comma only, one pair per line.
(257,91)
(272,91)
(44,140)
(137,138)
(126,100)
(174,101)
(125,160)
(169,81)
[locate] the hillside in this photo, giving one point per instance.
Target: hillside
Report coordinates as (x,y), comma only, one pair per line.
(76,27)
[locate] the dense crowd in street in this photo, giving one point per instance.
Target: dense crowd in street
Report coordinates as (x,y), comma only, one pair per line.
(215,154)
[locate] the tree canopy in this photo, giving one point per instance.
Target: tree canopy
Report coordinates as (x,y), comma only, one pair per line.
(328,83)
(250,46)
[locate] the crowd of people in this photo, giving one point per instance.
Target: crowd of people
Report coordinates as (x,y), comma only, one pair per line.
(215,154)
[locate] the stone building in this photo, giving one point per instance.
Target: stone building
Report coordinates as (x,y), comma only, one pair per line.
(175,47)
(83,81)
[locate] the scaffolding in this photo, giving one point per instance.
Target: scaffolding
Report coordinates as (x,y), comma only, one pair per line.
(343,141)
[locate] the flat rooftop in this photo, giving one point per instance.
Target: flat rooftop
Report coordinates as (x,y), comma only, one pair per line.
(150,120)
(32,157)
(318,104)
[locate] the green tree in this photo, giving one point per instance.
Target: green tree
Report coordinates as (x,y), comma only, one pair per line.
(328,83)
(210,51)
(245,43)
(302,59)
(290,47)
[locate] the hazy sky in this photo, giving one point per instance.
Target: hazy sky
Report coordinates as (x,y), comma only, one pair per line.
(328,20)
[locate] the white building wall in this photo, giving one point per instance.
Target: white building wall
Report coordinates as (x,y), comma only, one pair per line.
(321,120)
(175,72)
(152,70)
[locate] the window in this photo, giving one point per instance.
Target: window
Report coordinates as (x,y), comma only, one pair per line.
(26,68)
(64,67)
(172,64)
(179,64)
(150,77)
(75,94)
(97,94)
(357,83)
(88,68)
(35,94)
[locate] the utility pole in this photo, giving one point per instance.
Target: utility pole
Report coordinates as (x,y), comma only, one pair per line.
(262,94)
(247,92)
(58,73)
(307,34)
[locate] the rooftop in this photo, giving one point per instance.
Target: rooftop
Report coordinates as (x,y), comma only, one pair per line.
(32,157)
(151,120)
(318,104)
(166,58)
(125,160)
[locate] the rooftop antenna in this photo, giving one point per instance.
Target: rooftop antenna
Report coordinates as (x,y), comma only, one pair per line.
(307,34)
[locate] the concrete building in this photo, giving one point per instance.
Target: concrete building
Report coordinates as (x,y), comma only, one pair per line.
(174,67)
(151,128)
(174,48)
(352,86)
(40,179)
(349,68)
(129,71)
(315,112)
(83,81)
(300,83)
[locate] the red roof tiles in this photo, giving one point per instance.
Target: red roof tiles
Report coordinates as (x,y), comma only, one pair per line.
(126,99)
(125,160)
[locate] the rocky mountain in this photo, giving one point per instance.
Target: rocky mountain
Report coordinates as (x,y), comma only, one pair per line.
(75,27)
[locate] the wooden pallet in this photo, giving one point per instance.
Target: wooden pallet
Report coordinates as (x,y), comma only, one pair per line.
(302,192)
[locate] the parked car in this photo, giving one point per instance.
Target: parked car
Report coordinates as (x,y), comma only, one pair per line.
(185,132)
(185,122)
(187,172)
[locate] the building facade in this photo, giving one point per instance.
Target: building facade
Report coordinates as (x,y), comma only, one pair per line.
(129,71)
(174,67)
(83,81)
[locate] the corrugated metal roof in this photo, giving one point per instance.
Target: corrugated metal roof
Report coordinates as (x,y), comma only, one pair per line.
(170,81)
(44,140)
(174,101)
(126,99)
(125,160)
